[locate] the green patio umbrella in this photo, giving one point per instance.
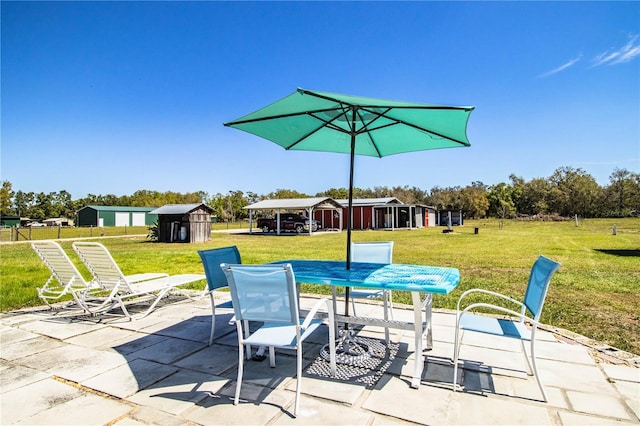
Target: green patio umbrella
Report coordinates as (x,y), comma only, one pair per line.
(319,121)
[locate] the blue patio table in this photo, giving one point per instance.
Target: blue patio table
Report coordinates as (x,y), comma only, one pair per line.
(416,279)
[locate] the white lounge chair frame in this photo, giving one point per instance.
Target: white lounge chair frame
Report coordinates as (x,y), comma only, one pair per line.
(123,290)
(65,279)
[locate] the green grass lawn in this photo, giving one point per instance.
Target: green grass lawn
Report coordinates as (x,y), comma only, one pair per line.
(595,293)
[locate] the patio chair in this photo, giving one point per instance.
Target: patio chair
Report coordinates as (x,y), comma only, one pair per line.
(216,278)
(122,290)
(373,252)
(252,290)
(65,279)
(536,292)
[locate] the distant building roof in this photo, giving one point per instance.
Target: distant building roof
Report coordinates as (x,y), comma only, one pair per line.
(119,208)
(370,201)
(296,203)
(180,208)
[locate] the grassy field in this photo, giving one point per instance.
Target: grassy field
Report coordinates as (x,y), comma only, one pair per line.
(595,293)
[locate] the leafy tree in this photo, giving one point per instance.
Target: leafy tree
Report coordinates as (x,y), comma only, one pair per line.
(622,196)
(280,194)
(573,191)
(445,198)
(533,199)
(24,202)
(500,202)
(6,198)
(474,200)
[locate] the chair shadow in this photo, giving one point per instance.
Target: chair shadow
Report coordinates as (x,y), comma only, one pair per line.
(620,252)
(206,376)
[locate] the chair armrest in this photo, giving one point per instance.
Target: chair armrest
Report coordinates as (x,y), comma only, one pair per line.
(489,292)
(502,309)
(314,310)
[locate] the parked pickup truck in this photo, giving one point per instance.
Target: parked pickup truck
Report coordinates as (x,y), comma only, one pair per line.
(288,222)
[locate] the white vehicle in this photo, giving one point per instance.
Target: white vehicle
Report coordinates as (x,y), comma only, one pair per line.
(35,224)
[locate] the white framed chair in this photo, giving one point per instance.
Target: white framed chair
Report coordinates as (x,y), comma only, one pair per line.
(121,290)
(252,291)
(216,278)
(515,328)
(373,252)
(65,279)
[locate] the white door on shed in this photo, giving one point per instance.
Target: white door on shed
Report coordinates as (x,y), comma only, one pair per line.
(122,219)
(137,219)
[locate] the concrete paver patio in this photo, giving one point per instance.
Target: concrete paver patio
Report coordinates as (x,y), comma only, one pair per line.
(57,368)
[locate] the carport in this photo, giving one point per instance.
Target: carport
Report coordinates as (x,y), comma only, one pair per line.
(308,205)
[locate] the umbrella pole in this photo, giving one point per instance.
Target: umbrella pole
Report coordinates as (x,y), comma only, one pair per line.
(349,224)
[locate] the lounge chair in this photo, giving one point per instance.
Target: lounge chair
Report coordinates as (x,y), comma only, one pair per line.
(122,290)
(65,279)
(252,289)
(539,279)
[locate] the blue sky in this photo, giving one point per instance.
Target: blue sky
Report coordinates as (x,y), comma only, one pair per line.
(113,97)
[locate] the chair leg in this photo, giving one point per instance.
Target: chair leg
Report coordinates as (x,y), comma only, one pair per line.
(535,369)
(456,354)
(272,357)
(213,318)
(245,334)
(240,365)
(526,358)
(298,379)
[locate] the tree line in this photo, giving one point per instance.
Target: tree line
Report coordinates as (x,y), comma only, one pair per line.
(567,192)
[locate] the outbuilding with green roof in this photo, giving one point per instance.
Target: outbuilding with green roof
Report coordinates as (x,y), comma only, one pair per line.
(116,216)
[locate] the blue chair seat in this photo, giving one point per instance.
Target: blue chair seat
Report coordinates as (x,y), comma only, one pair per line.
(282,336)
(495,326)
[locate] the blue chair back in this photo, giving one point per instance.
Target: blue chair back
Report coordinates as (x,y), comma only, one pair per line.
(541,273)
(211,260)
(372,252)
(263,293)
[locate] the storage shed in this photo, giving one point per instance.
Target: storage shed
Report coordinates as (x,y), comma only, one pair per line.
(115,216)
(185,223)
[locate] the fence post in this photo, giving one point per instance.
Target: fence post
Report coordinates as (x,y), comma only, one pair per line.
(59,230)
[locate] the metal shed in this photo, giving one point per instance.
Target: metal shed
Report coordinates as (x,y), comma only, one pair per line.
(309,205)
(115,216)
(185,223)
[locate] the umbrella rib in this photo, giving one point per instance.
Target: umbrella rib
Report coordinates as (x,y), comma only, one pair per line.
(365,127)
(274,117)
(327,123)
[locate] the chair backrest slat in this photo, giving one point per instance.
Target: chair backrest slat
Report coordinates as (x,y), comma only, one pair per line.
(539,279)
(58,262)
(263,292)
(103,268)
(211,260)
(372,252)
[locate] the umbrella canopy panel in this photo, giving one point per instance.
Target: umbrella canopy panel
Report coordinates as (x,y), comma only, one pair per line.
(320,121)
